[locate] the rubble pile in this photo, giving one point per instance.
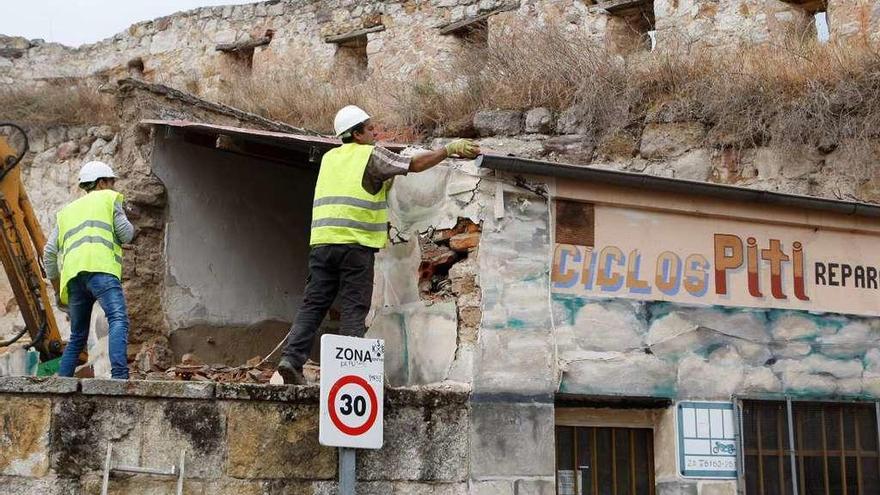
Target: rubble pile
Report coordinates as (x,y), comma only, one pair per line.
(192,369)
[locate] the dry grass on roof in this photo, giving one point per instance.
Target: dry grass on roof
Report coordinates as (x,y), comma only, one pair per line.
(793,92)
(56,104)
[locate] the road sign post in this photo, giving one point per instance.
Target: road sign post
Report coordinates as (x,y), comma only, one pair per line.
(352,395)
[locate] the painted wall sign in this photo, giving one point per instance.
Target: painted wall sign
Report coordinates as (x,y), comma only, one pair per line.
(673,257)
(706,440)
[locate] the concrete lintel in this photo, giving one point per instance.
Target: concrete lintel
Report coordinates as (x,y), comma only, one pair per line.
(149,388)
(342,38)
(38,385)
(273,393)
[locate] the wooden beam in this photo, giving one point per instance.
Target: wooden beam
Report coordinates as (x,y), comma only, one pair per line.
(342,38)
(811,6)
(616,6)
(243,45)
(468,23)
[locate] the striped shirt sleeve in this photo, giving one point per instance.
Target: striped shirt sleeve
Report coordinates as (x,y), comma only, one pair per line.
(383,165)
(50,255)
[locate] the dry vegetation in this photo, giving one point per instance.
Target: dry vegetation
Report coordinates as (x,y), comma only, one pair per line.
(793,93)
(50,105)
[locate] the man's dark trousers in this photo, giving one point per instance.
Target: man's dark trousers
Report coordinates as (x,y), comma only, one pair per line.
(344,269)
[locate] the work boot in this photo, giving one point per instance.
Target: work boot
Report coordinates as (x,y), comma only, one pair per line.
(290,374)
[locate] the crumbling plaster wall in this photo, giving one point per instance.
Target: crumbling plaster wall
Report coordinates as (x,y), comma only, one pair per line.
(180,49)
(236,235)
(493,331)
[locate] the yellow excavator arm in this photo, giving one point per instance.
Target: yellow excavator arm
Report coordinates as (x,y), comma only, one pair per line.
(21,248)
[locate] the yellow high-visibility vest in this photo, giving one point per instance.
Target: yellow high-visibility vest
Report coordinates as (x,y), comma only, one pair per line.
(343,212)
(86,242)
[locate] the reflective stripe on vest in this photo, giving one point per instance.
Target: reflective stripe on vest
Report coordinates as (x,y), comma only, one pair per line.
(343,212)
(86,242)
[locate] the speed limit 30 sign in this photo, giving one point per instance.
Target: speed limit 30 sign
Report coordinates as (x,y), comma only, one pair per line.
(352,392)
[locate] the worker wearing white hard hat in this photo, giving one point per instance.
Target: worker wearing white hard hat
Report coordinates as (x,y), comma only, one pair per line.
(83,259)
(349,225)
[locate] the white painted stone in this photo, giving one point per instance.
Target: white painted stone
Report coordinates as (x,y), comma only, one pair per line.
(872,361)
(792,350)
(871,384)
(669,327)
(634,373)
(850,386)
(431,336)
(850,341)
(839,368)
(718,377)
(759,380)
(609,326)
(794,326)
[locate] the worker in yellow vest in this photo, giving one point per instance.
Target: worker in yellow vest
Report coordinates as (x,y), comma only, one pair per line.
(349,225)
(83,259)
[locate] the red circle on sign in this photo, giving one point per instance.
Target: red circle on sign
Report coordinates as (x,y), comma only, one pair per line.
(331,405)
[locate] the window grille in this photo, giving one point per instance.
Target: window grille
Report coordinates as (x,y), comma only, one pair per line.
(604,461)
(835,448)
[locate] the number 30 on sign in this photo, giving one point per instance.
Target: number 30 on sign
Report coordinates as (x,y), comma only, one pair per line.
(352,391)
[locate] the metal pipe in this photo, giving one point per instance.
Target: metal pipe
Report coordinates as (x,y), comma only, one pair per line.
(791,451)
(145,470)
(740,447)
(346,471)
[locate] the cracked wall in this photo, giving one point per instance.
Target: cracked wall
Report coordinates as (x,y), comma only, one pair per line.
(427,297)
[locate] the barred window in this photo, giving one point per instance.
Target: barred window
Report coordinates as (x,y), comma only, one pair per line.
(604,461)
(835,448)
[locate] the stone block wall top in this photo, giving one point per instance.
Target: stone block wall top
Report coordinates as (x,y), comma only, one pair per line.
(38,385)
(147,388)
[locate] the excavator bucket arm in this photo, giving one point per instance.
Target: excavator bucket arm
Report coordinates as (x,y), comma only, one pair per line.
(21,245)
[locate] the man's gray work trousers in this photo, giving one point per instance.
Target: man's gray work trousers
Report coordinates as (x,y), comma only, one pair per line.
(343,269)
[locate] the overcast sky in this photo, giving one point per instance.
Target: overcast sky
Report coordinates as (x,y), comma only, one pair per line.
(74,22)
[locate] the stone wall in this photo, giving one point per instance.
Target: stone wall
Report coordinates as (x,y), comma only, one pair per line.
(180,49)
(238,439)
(680,150)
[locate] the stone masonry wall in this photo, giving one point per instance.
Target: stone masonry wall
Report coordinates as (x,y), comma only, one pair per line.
(180,49)
(238,439)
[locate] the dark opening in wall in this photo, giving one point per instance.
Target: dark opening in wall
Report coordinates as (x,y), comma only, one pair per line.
(240,55)
(351,58)
(631,26)
(472,32)
(136,68)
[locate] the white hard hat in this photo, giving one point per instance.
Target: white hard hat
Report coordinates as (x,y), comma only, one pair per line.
(349,117)
(92,171)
